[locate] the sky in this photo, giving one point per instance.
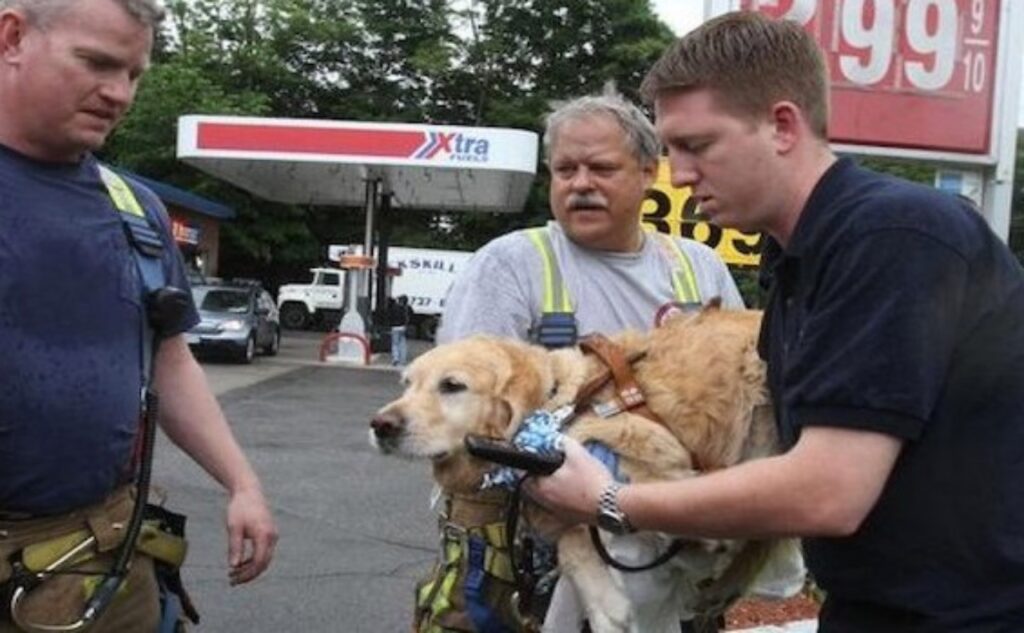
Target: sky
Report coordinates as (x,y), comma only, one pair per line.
(683,15)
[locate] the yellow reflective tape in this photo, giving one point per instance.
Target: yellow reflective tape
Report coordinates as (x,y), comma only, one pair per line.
(442,602)
(424,592)
(161,545)
(40,556)
(556,294)
(496,558)
(498,564)
(683,279)
(494,534)
(121,194)
(545,257)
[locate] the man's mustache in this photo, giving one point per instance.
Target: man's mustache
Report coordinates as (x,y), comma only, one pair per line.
(586,201)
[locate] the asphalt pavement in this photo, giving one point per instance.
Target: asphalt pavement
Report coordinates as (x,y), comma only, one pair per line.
(356,528)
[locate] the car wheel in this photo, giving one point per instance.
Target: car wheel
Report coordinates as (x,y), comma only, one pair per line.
(271,348)
(249,352)
(294,316)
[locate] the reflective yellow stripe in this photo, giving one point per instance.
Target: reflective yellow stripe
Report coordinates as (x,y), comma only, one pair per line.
(452,555)
(498,564)
(556,295)
(122,195)
(494,534)
(683,279)
(496,556)
(152,541)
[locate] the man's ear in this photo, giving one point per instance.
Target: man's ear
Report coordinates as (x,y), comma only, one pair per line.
(13,24)
(787,121)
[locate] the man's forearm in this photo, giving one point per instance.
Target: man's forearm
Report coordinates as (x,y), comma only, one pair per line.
(757,499)
(193,420)
(824,486)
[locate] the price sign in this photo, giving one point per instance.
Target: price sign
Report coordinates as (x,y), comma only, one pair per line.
(667,209)
(916,74)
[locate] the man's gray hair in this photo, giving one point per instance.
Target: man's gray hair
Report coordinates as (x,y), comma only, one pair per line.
(639,130)
(147,12)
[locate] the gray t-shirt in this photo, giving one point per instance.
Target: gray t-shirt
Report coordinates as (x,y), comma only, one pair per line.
(501,290)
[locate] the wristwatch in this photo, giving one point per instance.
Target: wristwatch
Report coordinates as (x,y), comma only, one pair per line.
(610,516)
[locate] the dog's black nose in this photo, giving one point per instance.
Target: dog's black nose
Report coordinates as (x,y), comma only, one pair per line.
(386,425)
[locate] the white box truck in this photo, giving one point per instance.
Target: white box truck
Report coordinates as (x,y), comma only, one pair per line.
(427,275)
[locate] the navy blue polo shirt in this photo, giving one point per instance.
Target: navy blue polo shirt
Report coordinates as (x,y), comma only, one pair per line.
(70,334)
(894,309)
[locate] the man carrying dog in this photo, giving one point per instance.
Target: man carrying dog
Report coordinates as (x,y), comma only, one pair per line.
(594,269)
(79,248)
(894,338)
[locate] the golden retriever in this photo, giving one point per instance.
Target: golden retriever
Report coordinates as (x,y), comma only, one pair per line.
(701,375)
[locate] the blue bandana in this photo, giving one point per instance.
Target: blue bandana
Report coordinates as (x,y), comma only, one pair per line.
(540,433)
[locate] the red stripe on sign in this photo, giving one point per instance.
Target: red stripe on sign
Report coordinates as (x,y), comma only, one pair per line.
(308,140)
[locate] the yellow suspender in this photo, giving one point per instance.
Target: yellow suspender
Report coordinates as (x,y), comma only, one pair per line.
(683,279)
(556,295)
(120,193)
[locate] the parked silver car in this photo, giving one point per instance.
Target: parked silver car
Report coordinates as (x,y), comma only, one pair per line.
(237,319)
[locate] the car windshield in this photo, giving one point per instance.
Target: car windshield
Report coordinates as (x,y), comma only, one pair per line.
(221,300)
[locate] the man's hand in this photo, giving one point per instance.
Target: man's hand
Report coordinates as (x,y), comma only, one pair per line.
(252,536)
(572,491)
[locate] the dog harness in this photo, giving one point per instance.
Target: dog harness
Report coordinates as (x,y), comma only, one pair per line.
(472,588)
(558,327)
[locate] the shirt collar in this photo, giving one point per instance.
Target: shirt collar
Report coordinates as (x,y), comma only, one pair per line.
(813,218)
(818,207)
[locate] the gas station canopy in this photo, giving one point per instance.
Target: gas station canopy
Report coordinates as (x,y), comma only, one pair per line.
(307,161)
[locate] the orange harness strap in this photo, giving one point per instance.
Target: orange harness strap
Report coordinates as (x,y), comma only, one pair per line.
(628,394)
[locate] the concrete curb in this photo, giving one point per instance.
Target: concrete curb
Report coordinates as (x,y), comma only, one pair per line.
(800,626)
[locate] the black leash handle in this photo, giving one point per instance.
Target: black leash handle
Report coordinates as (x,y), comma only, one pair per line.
(595,538)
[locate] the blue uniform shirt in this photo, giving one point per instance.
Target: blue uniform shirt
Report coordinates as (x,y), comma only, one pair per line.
(70,334)
(895,309)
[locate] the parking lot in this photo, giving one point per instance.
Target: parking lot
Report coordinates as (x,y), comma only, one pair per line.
(356,529)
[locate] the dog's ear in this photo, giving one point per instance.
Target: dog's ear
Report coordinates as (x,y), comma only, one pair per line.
(524,382)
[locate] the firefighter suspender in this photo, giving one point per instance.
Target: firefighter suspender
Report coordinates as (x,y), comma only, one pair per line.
(558,321)
(558,326)
(147,248)
(684,281)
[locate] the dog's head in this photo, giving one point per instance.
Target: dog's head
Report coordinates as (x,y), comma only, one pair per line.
(482,385)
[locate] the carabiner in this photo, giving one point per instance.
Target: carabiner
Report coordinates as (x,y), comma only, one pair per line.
(21,591)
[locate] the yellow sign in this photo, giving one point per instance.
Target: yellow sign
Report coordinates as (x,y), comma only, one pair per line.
(667,209)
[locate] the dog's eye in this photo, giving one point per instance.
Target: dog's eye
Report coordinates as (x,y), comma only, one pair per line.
(450,385)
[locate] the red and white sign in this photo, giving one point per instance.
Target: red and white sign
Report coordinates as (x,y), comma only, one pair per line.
(312,161)
(359,142)
(914,74)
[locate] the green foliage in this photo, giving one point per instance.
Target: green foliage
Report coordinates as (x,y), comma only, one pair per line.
(915,171)
(747,282)
(471,62)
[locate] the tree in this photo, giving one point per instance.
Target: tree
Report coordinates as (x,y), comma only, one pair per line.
(520,57)
(471,62)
